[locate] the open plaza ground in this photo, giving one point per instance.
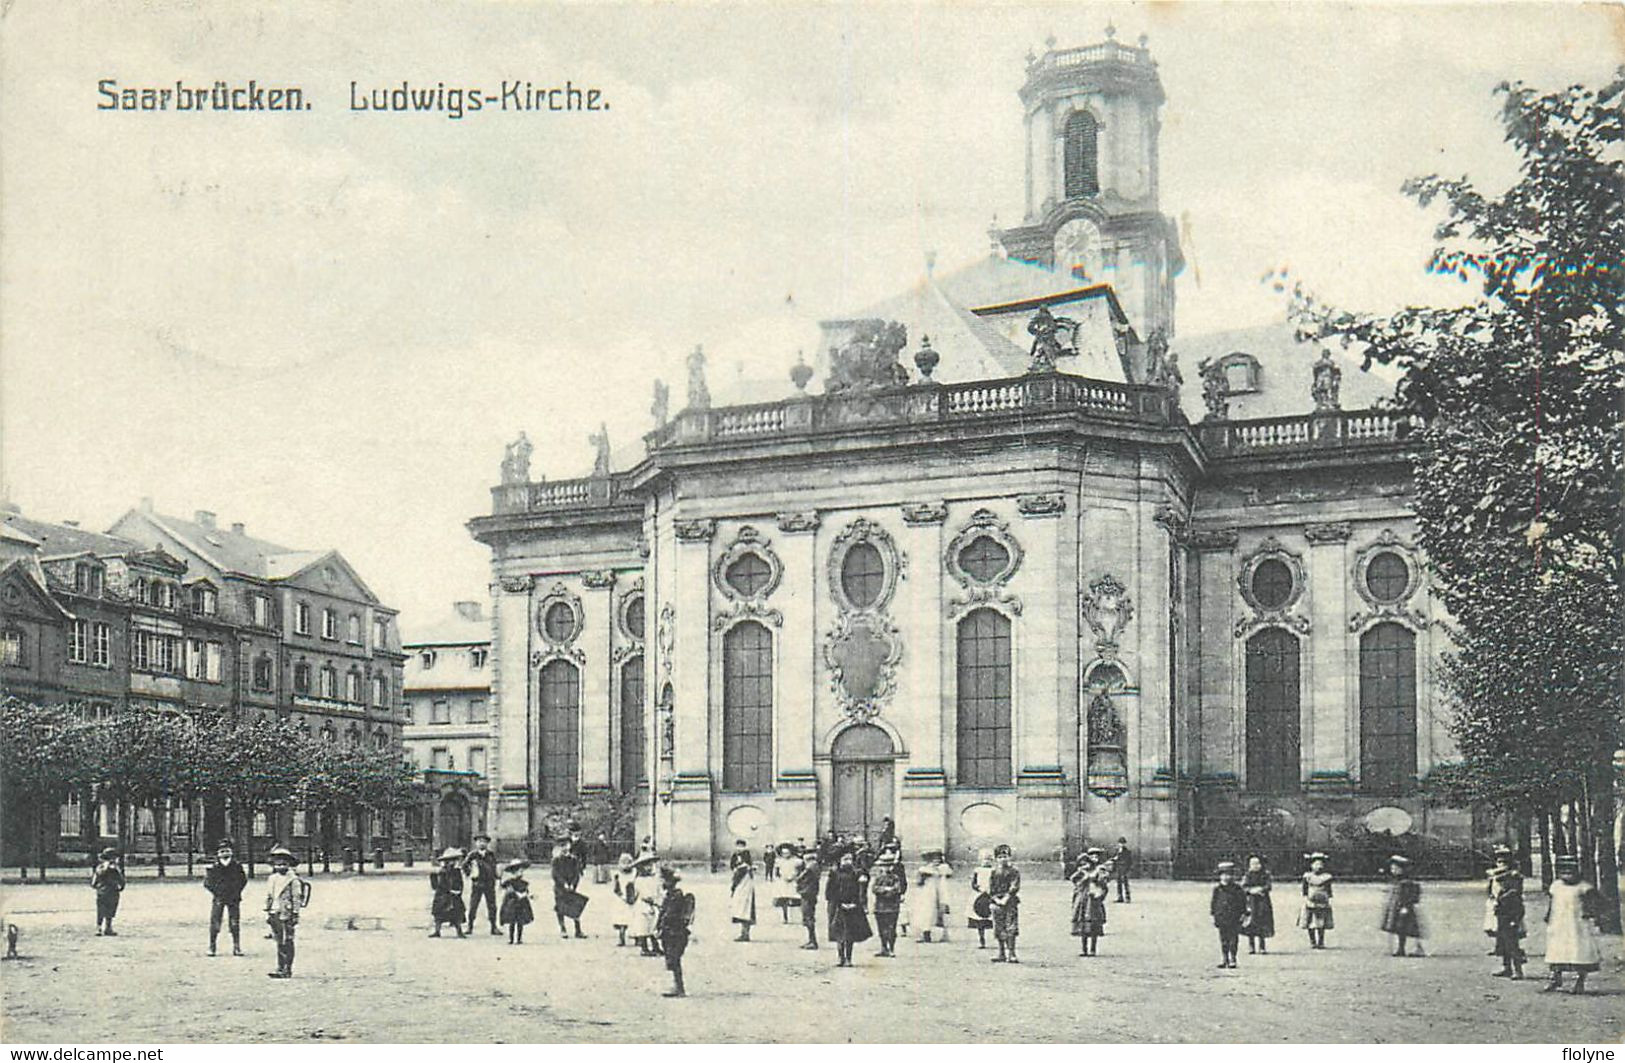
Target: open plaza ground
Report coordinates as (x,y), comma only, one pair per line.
(1155,978)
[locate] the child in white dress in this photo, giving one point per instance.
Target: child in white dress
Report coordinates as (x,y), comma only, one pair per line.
(1571,936)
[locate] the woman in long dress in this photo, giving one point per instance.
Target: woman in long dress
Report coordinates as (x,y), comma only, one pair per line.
(742,890)
(981,907)
(848,922)
(1259,922)
(1571,936)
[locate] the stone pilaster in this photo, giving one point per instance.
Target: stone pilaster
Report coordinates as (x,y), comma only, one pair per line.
(597,678)
(510,762)
(690,598)
(794,734)
(1048,624)
(918,708)
(1326,723)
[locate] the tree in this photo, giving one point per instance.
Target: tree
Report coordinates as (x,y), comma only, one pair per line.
(1518,478)
(42,754)
(260,765)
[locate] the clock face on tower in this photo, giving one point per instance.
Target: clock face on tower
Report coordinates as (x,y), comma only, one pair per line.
(1077,249)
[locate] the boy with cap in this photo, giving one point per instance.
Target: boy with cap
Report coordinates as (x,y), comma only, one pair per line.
(285,894)
(887,884)
(1123,866)
(676,914)
(225,880)
(480,865)
(1004,888)
(1571,939)
(1228,907)
(1399,915)
(107,879)
(807,889)
(1508,911)
(1503,871)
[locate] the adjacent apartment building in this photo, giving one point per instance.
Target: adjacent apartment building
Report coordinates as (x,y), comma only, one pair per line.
(447,697)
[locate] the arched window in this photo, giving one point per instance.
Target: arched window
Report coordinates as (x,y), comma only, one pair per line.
(1388,710)
(863,575)
(560,697)
(984,699)
(633,735)
(1274,748)
(1082,155)
(747,708)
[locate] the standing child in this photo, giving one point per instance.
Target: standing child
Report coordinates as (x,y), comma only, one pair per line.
(676,915)
(981,907)
(784,874)
(807,890)
(742,891)
(1004,888)
(928,907)
(516,908)
(225,880)
(1498,874)
(1399,909)
(567,868)
(447,883)
(645,923)
(848,922)
(625,884)
(1571,938)
(1089,893)
(1259,924)
(887,884)
(1123,866)
(107,879)
(285,894)
(1509,927)
(1229,908)
(1316,917)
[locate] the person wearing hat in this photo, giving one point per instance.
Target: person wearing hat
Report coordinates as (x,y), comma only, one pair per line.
(785,871)
(447,883)
(928,903)
(225,880)
(516,909)
(981,905)
(1228,908)
(107,879)
(1259,925)
(1508,912)
(887,884)
(285,894)
(806,886)
(646,919)
(1090,887)
(1004,890)
(742,889)
(1316,916)
(567,868)
(480,865)
(1122,867)
(676,916)
(1571,933)
(1501,873)
(624,884)
(1399,908)
(602,856)
(848,922)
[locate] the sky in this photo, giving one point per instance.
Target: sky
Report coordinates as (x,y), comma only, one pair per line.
(327,324)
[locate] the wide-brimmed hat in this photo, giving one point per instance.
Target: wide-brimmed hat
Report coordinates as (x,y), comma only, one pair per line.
(1225,865)
(109,853)
(1312,857)
(887,857)
(482,837)
(1095,850)
(453,853)
(1504,850)
(1400,859)
(516,864)
(282,852)
(625,861)
(645,860)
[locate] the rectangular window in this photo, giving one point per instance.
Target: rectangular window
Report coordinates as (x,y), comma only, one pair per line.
(559,693)
(97,578)
(259,609)
(380,632)
(140,651)
(300,823)
(476,710)
(440,759)
(352,687)
(100,641)
(355,629)
(330,683)
(262,824)
(144,821)
(440,711)
(70,816)
(194,659)
(11,649)
(79,641)
(301,619)
(476,759)
(378,691)
(180,818)
(633,735)
(476,659)
(330,624)
(747,708)
(204,601)
(214,655)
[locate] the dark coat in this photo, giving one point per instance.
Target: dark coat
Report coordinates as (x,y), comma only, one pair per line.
(1399,908)
(566,868)
(447,906)
(887,885)
(847,919)
(487,861)
(1229,906)
(226,881)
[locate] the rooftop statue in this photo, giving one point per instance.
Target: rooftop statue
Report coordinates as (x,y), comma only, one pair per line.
(869,358)
(662,404)
(1046,329)
(1161,364)
(600,442)
(699,396)
(1215,390)
(1326,382)
(516,461)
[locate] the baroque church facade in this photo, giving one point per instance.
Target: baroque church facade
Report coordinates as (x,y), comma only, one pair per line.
(994,568)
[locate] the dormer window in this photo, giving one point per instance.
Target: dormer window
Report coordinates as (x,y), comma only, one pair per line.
(139,590)
(205,602)
(1241,373)
(426,659)
(87,579)
(476,658)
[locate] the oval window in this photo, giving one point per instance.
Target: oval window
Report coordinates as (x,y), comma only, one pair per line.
(749,575)
(1386,577)
(863,575)
(559,622)
(984,560)
(1272,583)
(634,617)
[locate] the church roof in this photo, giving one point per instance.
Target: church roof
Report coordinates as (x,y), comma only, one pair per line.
(1284,373)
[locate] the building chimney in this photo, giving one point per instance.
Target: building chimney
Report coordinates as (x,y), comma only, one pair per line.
(146,503)
(237,528)
(71,523)
(204,517)
(469,610)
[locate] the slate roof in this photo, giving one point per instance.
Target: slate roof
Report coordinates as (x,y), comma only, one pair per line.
(225,549)
(1284,373)
(64,540)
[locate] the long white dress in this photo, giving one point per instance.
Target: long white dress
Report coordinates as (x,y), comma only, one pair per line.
(648,910)
(626,896)
(928,901)
(1571,940)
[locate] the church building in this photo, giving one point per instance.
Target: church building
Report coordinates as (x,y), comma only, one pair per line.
(994,566)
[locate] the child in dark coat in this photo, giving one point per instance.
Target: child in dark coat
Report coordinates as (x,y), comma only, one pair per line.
(1509,926)
(447,883)
(107,879)
(516,909)
(1229,908)
(1399,910)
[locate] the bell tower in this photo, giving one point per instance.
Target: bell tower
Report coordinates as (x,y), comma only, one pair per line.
(1092,116)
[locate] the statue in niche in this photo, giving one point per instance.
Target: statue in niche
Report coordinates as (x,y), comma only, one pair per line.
(662,404)
(869,358)
(1046,330)
(699,396)
(516,461)
(600,443)
(1105,728)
